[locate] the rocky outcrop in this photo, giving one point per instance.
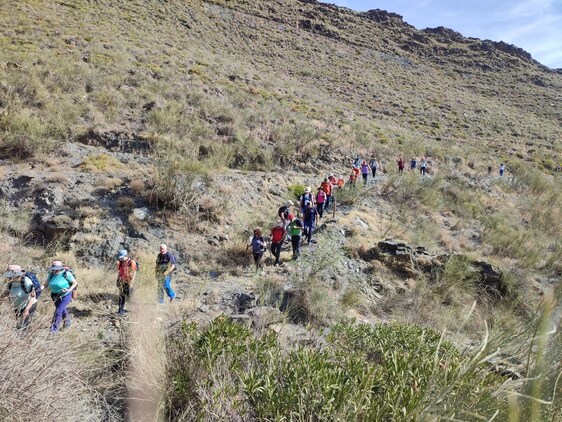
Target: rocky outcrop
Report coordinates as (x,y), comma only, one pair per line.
(411,261)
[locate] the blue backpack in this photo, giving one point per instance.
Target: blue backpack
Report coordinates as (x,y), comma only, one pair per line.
(35,281)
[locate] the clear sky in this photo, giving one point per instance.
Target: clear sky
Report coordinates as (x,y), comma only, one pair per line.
(534,25)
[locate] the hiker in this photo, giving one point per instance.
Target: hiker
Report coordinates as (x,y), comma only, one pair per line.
(61,282)
(352,179)
(320,201)
(365,170)
(489,170)
(258,245)
(413,163)
(277,237)
(502,169)
(21,292)
(357,161)
(126,272)
(307,196)
(401,165)
(327,187)
(423,166)
(295,230)
(283,213)
(341,182)
(374,165)
(165,265)
(310,217)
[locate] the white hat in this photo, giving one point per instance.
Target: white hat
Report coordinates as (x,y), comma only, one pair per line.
(13,271)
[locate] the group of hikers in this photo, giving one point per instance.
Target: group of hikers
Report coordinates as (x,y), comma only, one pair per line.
(24,289)
(296,221)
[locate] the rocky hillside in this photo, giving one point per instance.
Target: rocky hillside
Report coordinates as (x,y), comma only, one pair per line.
(124,124)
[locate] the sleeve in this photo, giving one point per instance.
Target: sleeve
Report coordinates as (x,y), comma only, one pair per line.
(134,266)
(69,277)
(172,258)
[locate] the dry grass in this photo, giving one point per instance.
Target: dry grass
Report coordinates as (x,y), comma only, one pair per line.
(46,370)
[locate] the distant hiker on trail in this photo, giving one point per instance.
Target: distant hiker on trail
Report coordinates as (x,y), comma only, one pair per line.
(401,165)
(423,166)
(357,161)
(353,178)
(341,182)
(374,165)
(327,187)
(285,214)
(321,201)
(126,272)
(165,265)
(61,282)
(21,291)
(277,237)
(310,217)
(413,163)
(489,170)
(295,230)
(307,196)
(258,245)
(365,171)
(502,169)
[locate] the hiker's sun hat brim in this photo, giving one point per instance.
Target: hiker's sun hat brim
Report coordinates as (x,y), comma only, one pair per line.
(56,268)
(12,274)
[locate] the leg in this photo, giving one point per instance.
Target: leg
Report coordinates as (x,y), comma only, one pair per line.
(294,244)
(60,310)
(168,287)
(320,209)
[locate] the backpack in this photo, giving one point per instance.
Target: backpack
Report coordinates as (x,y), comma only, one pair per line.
(34,280)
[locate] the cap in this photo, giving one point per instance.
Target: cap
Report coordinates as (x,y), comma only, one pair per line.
(56,266)
(122,254)
(13,271)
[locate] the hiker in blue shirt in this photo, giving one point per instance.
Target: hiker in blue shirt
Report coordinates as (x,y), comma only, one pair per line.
(502,169)
(61,282)
(165,265)
(21,292)
(310,217)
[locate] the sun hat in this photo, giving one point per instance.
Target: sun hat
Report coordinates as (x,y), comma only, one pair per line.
(308,189)
(279,224)
(289,204)
(13,271)
(56,266)
(122,254)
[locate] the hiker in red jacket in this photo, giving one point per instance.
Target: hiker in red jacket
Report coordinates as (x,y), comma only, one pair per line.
(277,236)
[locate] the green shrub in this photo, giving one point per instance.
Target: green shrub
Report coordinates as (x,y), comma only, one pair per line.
(383,372)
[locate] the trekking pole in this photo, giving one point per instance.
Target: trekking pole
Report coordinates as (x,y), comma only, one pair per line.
(334,211)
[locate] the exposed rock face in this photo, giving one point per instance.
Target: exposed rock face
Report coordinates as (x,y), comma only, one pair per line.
(411,261)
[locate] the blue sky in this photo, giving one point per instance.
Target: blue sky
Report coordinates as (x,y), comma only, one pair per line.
(534,25)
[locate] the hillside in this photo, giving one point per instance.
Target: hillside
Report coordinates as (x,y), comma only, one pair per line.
(125,124)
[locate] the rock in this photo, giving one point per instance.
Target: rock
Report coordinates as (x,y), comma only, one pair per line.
(491,277)
(140,213)
(213,242)
(50,227)
(240,318)
(223,238)
(362,223)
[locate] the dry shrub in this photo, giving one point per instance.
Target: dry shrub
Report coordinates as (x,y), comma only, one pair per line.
(125,203)
(110,183)
(57,178)
(137,186)
(42,377)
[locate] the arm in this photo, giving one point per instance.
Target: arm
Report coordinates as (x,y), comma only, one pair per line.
(32,301)
(170,269)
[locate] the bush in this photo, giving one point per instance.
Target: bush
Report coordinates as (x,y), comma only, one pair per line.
(383,372)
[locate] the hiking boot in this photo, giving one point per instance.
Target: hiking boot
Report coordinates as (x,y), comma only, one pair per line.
(121,312)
